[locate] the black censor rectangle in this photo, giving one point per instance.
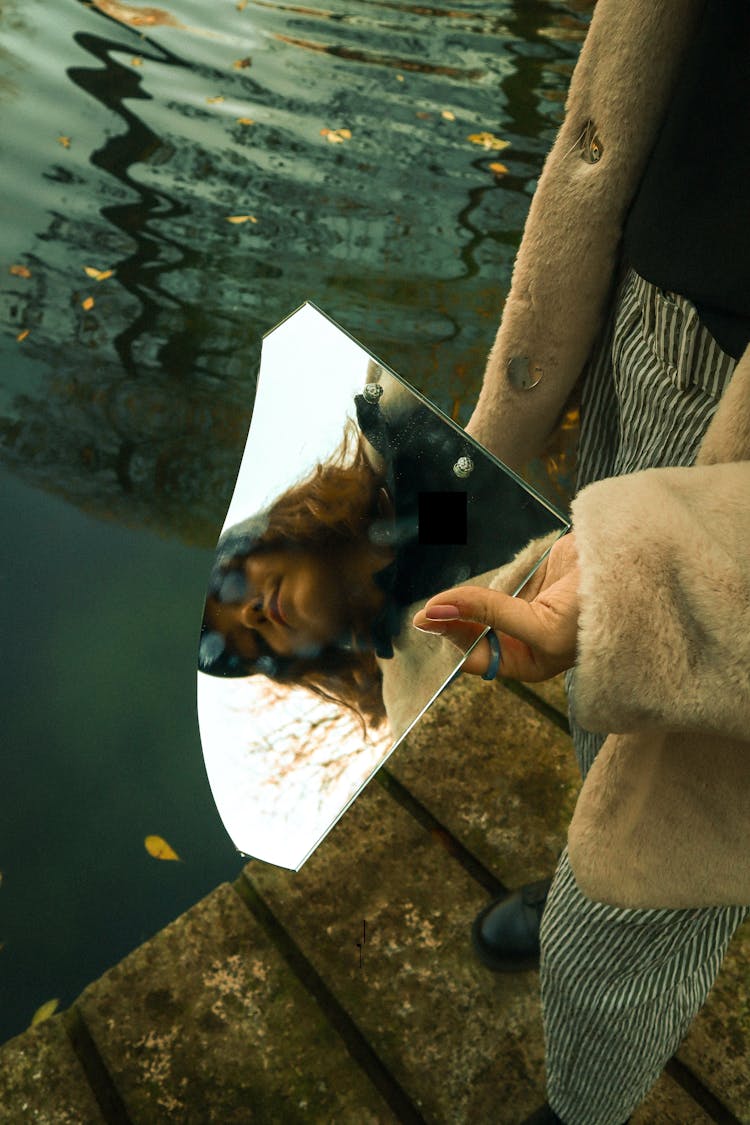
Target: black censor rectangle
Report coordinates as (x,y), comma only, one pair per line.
(442,518)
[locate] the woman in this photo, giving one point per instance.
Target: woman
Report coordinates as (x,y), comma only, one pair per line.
(277,604)
(314,590)
(633,281)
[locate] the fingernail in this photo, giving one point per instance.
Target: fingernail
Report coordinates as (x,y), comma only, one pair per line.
(430,629)
(442,612)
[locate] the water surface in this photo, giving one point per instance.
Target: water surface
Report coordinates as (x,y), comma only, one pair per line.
(130,136)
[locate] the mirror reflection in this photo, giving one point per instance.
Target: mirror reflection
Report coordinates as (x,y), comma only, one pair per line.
(356,501)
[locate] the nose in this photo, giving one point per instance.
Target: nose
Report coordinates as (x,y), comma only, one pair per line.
(251,612)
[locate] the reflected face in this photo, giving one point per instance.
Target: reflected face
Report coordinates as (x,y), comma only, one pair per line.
(293,602)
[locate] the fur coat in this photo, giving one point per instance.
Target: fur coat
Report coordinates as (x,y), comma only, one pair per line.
(663,818)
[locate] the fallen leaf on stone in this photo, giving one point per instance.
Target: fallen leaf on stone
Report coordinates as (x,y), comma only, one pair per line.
(217,100)
(20,271)
(158,847)
(22,335)
(136,61)
(498,168)
(241,219)
(44,1011)
(242,64)
(64,141)
(97,275)
(448,114)
(245,121)
(336,136)
(488,141)
(88,304)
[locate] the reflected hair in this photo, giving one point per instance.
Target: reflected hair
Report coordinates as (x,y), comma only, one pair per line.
(332,507)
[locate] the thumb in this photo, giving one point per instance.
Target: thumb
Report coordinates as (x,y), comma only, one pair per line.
(504,613)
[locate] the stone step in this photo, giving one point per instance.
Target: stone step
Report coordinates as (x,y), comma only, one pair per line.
(42,1080)
(496,774)
(465,1046)
(207,1024)
(348,992)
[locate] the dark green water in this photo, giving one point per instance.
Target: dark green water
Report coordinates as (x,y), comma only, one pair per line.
(122,425)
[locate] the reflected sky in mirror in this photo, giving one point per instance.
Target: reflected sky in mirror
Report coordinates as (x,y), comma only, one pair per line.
(356,500)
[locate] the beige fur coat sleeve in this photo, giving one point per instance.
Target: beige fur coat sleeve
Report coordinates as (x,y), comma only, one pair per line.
(664,630)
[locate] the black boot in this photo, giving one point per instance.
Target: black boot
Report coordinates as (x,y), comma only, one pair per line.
(505,935)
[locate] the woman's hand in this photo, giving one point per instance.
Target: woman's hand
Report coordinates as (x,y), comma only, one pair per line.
(537,629)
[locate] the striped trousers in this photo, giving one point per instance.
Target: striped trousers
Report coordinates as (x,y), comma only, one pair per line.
(620,987)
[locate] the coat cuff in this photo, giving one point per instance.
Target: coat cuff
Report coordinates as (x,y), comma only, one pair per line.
(664,626)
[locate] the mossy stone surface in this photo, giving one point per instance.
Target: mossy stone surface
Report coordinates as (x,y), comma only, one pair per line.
(206,1024)
(669,1104)
(501,777)
(717,1047)
(465,1044)
(42,1082)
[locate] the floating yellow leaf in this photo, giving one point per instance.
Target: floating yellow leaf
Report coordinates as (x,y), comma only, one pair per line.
(216,100)
(498,168)
(64,141)
(20,271)
(336,136)
(242,64)
(136,16)
(158,847)
(488,141)
(136,61)
(44,1011)
(22,335)
(448,114)
(241,5)
(399,77)
(241,219)
(245,121)
(97,275)
(88,304)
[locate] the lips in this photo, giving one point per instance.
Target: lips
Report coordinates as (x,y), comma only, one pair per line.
(275,611)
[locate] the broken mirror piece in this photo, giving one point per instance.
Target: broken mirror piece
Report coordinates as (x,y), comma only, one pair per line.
(356,501)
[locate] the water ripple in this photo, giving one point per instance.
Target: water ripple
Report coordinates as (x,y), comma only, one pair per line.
(343,131)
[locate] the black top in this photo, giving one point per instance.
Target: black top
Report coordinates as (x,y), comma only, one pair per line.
(420,451)
(688,230)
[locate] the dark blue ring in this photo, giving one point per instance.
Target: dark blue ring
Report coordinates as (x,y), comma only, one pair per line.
(494,664)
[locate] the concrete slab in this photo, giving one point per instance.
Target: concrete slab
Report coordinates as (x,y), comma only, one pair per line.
(717,1048)
(206,1023)
(42,1081)
(465,1045)
(498,775)
(668,1104)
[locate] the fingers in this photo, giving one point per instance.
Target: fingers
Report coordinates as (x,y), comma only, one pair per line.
(485,607)
(517,661)
(534,645)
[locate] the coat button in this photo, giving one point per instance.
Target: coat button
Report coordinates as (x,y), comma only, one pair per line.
(373,392)
(522,374)
(591,146)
